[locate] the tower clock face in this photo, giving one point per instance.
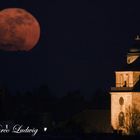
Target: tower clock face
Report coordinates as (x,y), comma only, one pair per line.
(121,101)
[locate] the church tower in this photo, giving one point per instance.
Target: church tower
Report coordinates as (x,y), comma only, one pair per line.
(125,95)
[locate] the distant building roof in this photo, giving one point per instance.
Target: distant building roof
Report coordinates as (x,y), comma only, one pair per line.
(92,121)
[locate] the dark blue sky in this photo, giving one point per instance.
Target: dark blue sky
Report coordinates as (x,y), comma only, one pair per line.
(82,43)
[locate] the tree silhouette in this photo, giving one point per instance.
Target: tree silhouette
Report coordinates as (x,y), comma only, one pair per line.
(132,121)
(100,100)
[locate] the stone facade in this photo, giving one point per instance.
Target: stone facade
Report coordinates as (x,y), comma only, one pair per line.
(123,98)
(125,95)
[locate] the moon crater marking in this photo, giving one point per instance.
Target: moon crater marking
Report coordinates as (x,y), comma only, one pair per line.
(19,30)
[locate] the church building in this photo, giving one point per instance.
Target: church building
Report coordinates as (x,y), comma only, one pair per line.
(125,95)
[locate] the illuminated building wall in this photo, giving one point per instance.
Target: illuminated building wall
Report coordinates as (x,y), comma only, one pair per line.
(126,93)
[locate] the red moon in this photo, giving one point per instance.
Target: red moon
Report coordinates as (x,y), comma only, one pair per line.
(19,30)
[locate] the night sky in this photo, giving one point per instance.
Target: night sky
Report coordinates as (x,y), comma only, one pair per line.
(82,43)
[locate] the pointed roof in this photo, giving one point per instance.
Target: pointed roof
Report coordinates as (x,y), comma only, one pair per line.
(133,57)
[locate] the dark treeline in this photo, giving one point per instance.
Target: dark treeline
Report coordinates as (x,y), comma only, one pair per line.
(41,108)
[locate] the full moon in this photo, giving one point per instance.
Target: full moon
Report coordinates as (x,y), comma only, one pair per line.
(19,30)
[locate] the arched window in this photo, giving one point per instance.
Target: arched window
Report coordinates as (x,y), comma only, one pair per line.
(121,119)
